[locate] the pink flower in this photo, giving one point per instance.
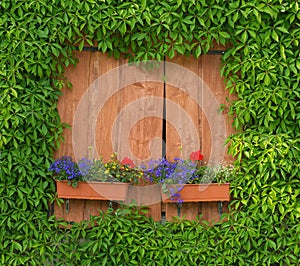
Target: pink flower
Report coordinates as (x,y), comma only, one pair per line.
(196,156)
(127,161)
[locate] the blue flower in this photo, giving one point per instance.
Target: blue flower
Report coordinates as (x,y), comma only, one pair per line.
(65,168)
(166,172)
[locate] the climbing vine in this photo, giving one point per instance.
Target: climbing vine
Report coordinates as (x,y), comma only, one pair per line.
(261,66)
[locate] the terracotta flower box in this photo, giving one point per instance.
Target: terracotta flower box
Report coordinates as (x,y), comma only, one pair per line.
(199,192)
(93,190)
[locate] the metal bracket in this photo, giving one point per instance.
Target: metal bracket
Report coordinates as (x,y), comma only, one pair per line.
(220,206)
(67,205)
(179,207)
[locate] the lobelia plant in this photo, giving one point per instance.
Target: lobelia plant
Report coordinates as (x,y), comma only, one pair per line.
(65,168)
(178,172)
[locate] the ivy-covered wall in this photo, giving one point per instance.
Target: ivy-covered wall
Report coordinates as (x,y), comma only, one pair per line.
(37,38)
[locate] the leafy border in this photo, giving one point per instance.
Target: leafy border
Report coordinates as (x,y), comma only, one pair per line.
(262,67)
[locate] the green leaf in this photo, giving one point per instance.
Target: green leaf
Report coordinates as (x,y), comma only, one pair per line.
(281,209)
(54,51)
(282,52)
(143,4)
(81,45)
(274,35)
(282,29)
(198,51)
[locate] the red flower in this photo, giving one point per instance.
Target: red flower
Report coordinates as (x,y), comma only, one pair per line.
(127,161)
(196,156)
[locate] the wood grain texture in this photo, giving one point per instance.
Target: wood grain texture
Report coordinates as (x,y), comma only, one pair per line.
(195,98)
(114,106)
(182,110)
(77,210)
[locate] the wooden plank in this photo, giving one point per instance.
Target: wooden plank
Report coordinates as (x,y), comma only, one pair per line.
(210,72)
(189,210)
(93,207)
(90,67)
(138,125)
(209,212)
(148,196)
(131,123)
(182,110)
(171,211)
(185,211)
(68,102)
(143,195)
(210,94)
(154,211)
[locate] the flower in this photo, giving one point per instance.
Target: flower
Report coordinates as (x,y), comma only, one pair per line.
(196,156)
(123,171)
(94,170)
(127,161)
(114,170)
(168,172)
(178,171)
(65,168)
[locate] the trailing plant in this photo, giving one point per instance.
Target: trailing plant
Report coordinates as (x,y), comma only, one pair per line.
(173,175)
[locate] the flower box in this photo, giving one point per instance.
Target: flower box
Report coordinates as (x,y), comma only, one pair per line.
(198,192)
(92,190)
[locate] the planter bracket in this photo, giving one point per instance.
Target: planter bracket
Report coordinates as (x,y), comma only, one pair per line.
(67,205)
(179,207)
(220,206)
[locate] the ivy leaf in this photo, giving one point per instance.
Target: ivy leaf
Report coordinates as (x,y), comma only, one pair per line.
(55,51)
(122,28)
(282,52)
(188,20)
(81,45)
(13,92)
(282,29)
(274,35)
(171,52)
(198,51)
(144,4)
(42,34)
(298,64)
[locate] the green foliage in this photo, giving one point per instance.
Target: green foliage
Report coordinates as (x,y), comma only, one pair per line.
(261,67)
